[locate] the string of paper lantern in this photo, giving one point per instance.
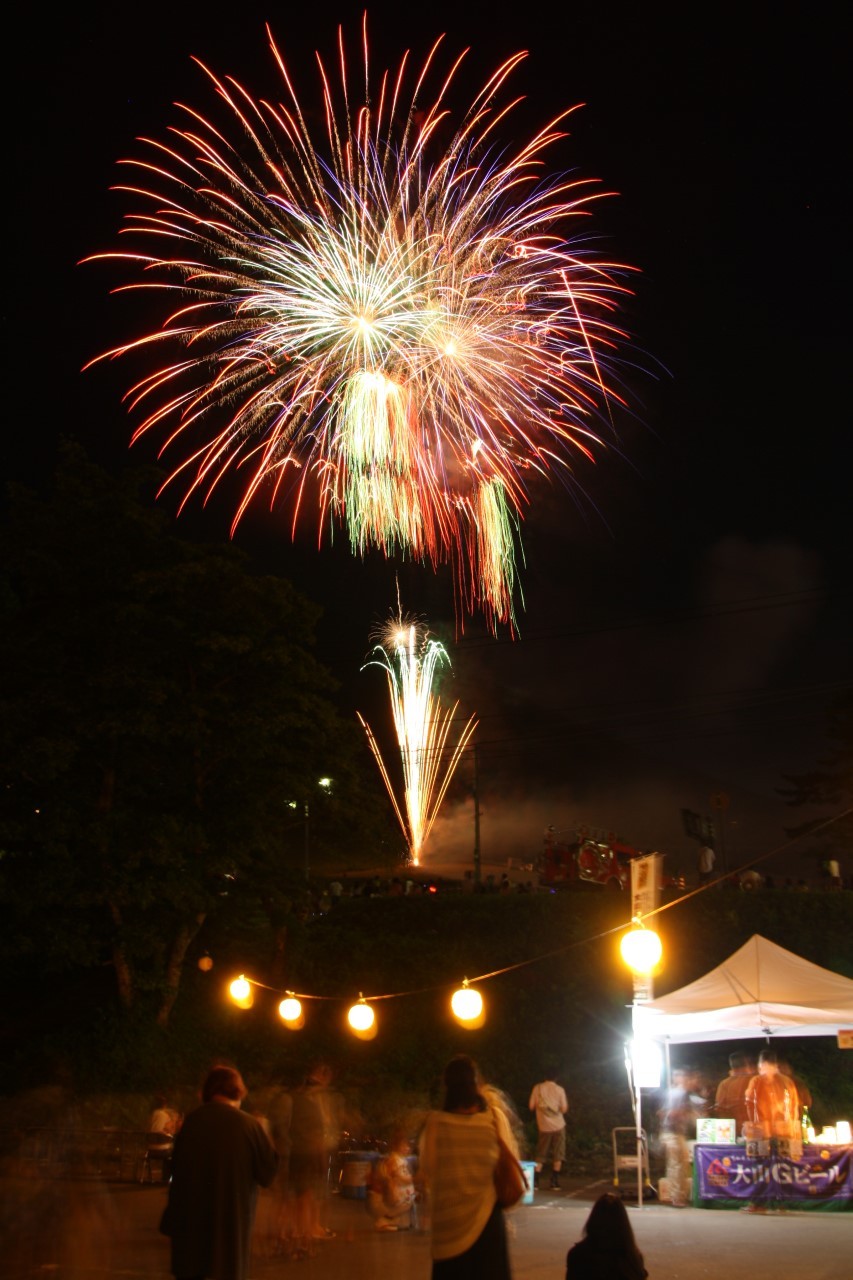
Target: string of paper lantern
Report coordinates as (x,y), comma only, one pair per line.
(640,947)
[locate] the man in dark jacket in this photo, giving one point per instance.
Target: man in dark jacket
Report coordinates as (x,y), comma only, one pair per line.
(221,1157)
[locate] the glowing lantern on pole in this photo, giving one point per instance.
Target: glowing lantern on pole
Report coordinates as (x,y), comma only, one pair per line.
(641,949)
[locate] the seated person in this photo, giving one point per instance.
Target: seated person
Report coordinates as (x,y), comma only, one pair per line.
(391,1194)
(163,1122)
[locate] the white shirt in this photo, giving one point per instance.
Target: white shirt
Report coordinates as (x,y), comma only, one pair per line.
(162,1121)
(549,1101)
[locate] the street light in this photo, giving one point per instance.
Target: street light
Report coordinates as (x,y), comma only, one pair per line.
(326,784)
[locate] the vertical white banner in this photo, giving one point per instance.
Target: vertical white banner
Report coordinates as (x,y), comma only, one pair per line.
(645,897)
(645,885)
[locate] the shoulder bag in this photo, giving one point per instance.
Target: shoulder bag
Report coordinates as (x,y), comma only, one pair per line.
(510,1182)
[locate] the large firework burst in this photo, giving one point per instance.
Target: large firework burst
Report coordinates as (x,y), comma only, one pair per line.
(396,330)
(429,754)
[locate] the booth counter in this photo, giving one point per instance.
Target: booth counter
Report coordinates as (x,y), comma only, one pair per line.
(725,1177)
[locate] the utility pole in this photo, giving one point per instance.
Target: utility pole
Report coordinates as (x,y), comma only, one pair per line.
(325,784)
(476,821)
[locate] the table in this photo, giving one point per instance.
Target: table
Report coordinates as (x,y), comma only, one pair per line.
(113,1154)
(725,1177)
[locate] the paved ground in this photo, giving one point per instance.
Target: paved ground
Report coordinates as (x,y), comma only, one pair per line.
(97,1231)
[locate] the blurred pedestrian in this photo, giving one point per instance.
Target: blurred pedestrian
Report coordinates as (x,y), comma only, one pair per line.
(497,1100)
(221,1157)
(280,1115)
(677,1121)
(701,1091)
(549,1104)
(315,1130)
(458,1154)
(608,1250)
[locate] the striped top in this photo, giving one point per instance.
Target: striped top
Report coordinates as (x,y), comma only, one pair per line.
(458,1154)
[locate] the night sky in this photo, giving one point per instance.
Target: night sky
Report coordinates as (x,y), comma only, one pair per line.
(686,618)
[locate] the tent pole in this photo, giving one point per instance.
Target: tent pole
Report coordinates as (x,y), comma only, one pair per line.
(639,1147)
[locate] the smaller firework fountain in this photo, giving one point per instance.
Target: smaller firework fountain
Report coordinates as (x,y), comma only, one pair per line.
(411,661)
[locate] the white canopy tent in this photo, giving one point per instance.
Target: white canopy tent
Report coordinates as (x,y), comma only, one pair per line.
(762,990)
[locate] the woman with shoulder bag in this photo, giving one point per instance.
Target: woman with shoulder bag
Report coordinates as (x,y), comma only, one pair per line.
(459,1153)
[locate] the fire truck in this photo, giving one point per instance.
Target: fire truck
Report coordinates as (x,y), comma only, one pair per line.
(597,857)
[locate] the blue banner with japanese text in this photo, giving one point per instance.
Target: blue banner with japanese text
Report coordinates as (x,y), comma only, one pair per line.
(822,1177)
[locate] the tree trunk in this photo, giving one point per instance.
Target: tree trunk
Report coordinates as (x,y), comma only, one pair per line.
(124,977)
(175,967)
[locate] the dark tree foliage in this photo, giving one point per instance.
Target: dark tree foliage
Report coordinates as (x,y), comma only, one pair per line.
(160,705)
(829,786)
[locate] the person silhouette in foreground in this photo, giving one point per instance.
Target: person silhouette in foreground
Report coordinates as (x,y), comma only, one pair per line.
(608,1250)
(222,1155)
(458,1154)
